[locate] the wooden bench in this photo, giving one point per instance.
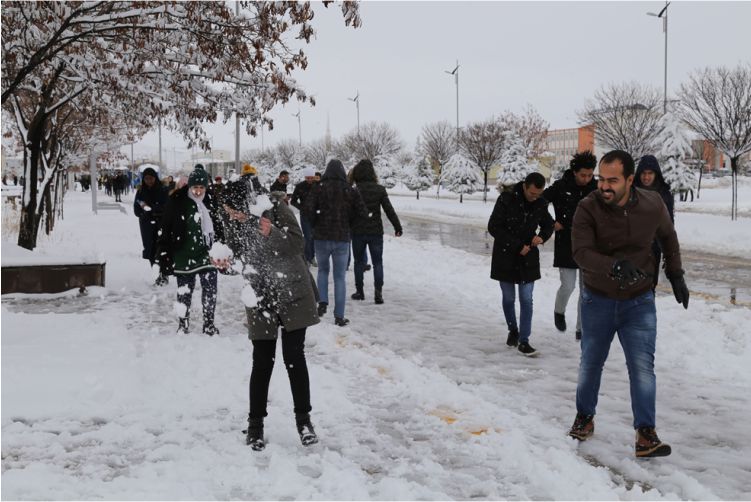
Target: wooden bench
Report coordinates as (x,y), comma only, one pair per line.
(51,278)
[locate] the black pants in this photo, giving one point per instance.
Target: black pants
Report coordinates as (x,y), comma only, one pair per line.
(293,351)
(208,292)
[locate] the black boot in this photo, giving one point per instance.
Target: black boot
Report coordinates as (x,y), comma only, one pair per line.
(358,295)
(305,429)
(210,329)
(513,338)
(560,321)
(254,437)
(183,325)
(322,308)
(378,295)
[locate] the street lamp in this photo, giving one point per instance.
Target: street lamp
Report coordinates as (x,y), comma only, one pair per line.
(356,100)
(299,126)
(664,15)
(455,73)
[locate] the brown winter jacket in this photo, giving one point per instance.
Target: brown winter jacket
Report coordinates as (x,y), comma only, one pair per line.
(602,234)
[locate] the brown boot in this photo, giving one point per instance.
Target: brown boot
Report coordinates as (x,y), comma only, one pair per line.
(583,428)
(649,445)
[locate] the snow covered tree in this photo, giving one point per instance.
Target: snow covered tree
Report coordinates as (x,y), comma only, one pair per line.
(438,142)
(461,176)
(515,164)
(673,147)
(388,170)
(483,144)
(319,152)
(373,140)
(419,176)
(530,127)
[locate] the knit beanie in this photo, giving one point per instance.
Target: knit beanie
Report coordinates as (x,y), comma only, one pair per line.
(198,177)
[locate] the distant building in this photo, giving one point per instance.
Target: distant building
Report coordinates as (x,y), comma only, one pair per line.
(562,144)
(216,163)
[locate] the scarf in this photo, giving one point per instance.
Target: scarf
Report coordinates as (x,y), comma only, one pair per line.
(207,226)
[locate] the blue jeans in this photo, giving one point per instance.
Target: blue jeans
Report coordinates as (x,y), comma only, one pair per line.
(635,321)
(338,252)
(307,232)
(508,291)
(375,243)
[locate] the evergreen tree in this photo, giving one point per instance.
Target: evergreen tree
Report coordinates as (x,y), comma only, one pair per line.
(673,146)
(387,170)
(419,176)
(514,162)
(461,176)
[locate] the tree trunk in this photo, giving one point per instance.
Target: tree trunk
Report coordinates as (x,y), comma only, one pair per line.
(485,187)
(461,198)
(734,206)
(698,187)
(418,194)
(30,218)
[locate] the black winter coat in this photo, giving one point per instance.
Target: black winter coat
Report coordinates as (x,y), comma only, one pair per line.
(300,193)
(513,224)
(565,195)
(332,205)
(155,198)
(659,186)
(375,197)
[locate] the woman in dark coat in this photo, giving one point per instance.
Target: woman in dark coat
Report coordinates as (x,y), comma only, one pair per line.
(282,295)
(148,206)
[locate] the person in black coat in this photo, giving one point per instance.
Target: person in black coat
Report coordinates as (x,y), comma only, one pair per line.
(299,195)
(520,222)
(369,231)
(148,206)
(575,184)
(649,177)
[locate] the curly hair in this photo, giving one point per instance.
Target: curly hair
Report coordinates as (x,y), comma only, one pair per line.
(583,160)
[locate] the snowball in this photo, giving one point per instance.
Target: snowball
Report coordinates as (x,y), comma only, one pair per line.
(220,251)
(248,296)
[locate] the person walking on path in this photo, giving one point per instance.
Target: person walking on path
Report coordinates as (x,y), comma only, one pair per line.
(576,183)
(612,236)
(520,222)
(331,207)
(270,249)
(649,177)
(299,195)
(190,226)
(148,206)
(368,231)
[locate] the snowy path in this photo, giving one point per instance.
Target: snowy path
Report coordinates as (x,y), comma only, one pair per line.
(418,399)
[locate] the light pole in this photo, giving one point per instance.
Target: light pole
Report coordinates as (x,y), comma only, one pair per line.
(237,117)
(455,73)
(299,125)
(664,15)
(160,143)
(356,100)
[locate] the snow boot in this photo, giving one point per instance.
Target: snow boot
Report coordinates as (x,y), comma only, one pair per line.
(358,295)
(583,428)
(161,280)
(210,329)
(368,267)
(378,296)
(526,349)
(183,325)
(341,321)
(560,321)
(513,338)
(649,445)
(305,429)
(322,307)
(254,436)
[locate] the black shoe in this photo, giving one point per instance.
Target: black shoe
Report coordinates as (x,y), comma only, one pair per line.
(578,334)
(513,338)
(210,329)
(583,428)
(254,434)
(560,321)
(527,349)
(649,445)
(161,280)
(358,295)
(322,307)
(183,325)
(305,429)
(367,267)
(378,296)
(341,321)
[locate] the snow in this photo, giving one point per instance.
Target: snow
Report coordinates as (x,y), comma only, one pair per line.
(418,398)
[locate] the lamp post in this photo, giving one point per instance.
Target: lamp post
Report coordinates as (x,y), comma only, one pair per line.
(664,15)
(455,73)
(237,117)
(356,100)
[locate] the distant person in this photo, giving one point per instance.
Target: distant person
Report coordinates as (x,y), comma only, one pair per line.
(331,207)
(612,236)
(250,177)
(576,183)
(367,232)
(280,185)
(148,206)
(520,222)
(299,195)
(649,177)
(218,188)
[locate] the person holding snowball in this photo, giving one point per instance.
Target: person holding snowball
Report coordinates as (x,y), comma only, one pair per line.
(190,227)
(279,294)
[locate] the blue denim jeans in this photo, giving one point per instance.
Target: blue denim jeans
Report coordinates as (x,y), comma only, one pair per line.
(508,291)
(375,243)
(635,321)
(307,232)
(337,251)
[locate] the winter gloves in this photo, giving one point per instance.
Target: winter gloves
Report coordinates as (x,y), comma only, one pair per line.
(680,290)
(626,273)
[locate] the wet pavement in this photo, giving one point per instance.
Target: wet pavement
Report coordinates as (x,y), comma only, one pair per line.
(717,278)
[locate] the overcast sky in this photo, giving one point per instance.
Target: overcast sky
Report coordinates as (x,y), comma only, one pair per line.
(552,55)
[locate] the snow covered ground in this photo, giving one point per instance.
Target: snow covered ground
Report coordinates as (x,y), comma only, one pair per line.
(418,398)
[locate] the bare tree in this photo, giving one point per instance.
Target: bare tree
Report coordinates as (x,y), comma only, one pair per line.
(699,160)
(530,127)
(625,116)
(483,143)
(287,154)
(716,103)
(437,142)
(375,139)
(319,152)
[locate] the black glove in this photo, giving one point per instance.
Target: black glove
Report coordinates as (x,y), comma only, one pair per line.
(626,273)
(680,290)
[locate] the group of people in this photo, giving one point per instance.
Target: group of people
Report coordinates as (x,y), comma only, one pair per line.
(614,231)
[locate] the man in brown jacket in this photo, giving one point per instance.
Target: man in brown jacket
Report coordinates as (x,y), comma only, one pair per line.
(612,236)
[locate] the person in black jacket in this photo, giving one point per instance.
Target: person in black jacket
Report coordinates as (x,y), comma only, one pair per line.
(148,206)
(514,224)
(649,177)
(331,207)
(369,231)
(301,191)
(575,184)
(280,185)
